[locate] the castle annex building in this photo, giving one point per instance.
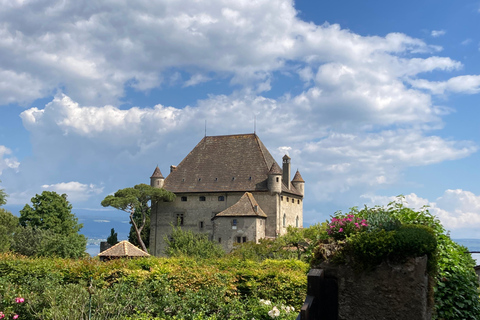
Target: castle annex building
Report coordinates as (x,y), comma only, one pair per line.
(231,188)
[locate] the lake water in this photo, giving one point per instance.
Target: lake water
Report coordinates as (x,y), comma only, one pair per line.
(93,249)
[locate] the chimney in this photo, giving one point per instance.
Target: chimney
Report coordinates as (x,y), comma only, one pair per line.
(286,171)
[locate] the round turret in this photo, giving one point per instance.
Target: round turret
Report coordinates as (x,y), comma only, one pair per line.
(299,183)
(275,179)
(157,179)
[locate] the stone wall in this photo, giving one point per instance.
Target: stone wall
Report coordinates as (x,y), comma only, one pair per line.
(390,292)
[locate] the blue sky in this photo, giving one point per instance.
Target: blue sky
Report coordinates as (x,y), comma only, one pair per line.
(371,99)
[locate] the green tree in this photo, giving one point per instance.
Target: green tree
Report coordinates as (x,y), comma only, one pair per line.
(49,228)
(50,211)
(112,239)
(8,227)
(3,196)
(139,198)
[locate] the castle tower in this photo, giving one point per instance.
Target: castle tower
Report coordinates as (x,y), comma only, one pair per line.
(299,183)
(157,179)
(286,171)
(274,179)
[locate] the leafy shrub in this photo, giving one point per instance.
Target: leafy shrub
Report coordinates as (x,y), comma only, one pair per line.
(368,249)
(191,244)
(380,219)
(415,241)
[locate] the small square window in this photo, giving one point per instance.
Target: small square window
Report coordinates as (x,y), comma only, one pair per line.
(201,198)
(221,198)
(184,198)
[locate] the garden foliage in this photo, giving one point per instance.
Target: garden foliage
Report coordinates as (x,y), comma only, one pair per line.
(396,233)
(151,288)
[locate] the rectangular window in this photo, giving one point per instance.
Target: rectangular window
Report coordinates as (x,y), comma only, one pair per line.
(234,224)
(221,198)
(201,224)
(244,239)
(201,198)
(179,218)
(219,240)
(184,198)
(239,239)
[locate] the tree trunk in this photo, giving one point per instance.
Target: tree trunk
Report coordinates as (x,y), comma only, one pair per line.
(139,237)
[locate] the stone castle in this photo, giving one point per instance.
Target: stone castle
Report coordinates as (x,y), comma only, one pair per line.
(231,188)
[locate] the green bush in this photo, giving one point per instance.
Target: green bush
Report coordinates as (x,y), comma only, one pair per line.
(380,219)
(191,244)
(368,249)
(415,241)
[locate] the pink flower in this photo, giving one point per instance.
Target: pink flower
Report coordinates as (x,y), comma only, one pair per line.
(15,316)
(340,230)
(2,315)
(19,300)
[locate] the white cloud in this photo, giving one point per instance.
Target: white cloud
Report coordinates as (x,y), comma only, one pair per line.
(94,54)
(76,191)
(469,84)
(101,221)
(6,161)
(466,41)
(438,33)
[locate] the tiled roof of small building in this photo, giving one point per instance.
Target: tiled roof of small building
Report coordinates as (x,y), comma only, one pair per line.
(247,206)
(123,249)
(298,177)
(157,173)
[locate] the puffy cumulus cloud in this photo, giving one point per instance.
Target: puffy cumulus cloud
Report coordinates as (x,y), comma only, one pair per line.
(468,84)
(458,210)
(94,51)
(7,161)
(338,149)
(341,162)
(76,191)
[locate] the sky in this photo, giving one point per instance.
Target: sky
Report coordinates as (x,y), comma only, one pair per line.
(371,99)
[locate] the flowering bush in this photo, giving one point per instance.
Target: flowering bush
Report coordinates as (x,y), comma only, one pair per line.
(10,308)
(275,312)
(342,226)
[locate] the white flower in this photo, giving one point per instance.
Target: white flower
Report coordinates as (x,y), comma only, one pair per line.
(265,302)
(274,312)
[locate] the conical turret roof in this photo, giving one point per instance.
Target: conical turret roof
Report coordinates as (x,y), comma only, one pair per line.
(157,173)
(275,169)
(298,177)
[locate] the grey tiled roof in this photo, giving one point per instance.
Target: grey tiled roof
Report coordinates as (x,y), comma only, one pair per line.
(247,206)
(233,163)
(223,163)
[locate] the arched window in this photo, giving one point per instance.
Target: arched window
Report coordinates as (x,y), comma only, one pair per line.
(284,220)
